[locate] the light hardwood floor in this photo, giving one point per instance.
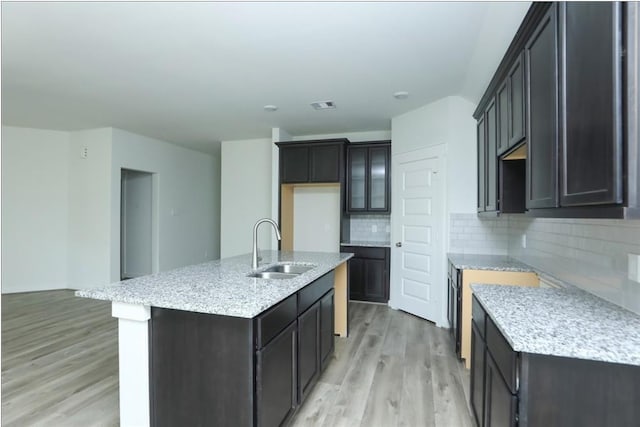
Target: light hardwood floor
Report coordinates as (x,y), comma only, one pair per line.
(60,368)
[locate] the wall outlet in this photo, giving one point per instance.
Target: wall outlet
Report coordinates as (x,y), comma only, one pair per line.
(523,241)
(634,267)
(84,153)
(374,228)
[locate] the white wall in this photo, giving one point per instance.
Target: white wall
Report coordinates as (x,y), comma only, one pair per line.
(185,200)
(316,224)
(246,192)
(61,212)
(374,135)
(447,121)
(89,237)
(35,208)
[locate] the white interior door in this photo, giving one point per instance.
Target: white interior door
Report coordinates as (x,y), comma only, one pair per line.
(418,223)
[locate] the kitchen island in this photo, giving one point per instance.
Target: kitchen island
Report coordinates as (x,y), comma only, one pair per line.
(208,345)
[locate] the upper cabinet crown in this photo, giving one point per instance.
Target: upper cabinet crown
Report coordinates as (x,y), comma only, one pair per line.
(565,104)
(368,177)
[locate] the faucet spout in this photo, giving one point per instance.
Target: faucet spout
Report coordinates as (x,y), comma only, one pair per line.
(254,252)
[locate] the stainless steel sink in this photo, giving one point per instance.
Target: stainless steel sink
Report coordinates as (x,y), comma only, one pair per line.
(289,268)
(273,275)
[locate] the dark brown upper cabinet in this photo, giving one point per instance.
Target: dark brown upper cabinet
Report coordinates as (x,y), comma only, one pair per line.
(574,129)
(312,161)
(368,177)
(541,56)
(511,107)
(487,160)
(591,149)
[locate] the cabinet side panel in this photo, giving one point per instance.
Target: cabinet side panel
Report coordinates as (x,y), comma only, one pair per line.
(562,392)
(484,276)
(193,357)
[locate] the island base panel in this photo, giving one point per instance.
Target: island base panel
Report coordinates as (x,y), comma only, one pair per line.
(341,287)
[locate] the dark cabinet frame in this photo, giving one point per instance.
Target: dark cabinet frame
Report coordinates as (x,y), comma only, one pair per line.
(369,147)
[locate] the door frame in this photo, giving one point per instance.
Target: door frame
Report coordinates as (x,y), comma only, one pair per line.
(155,251)
(439,151)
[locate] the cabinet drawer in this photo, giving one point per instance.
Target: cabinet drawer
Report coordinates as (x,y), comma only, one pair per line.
(274,320)
(308,295)
(503,355)
(478,315)
(366,252)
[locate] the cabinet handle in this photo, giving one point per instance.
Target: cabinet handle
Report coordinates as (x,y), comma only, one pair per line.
(398,244)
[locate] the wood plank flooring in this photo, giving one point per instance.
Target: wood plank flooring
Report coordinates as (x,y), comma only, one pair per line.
(60,368)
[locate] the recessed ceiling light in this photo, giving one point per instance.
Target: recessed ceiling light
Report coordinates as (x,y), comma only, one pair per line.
(323,105)
(401,95)
(270,108)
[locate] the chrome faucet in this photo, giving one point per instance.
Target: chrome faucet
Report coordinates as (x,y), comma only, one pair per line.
(254,253)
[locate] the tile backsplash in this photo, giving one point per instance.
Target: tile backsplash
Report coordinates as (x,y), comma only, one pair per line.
(469,234)
(363,226)
(592,254)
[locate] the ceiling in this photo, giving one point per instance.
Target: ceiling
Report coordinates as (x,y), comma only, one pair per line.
(200,72)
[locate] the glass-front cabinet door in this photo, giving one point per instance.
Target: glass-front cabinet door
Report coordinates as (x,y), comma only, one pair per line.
(378,181)
(357,179)
(368,178)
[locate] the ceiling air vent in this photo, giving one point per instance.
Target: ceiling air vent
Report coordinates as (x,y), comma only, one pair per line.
(323,105)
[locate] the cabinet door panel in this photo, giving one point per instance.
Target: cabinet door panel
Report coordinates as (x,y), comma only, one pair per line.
(356,278)
(499,404)
(294,165)
(379,179)
(356,193)
(374,275)
(492,166)
(592,144)
(482,165)
(326,328)
(517,108)
(504,122)
(542,121)
(476,388)
(308,349)
(324,163)
(276,395)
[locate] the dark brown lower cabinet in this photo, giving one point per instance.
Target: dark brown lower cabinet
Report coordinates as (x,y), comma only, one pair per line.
(275,379)
(212,370)
(536,390)
(368,273)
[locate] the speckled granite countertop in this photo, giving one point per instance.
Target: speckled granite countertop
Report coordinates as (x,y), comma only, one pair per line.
(487,262)
(379,244)
(219,287)
(562,322)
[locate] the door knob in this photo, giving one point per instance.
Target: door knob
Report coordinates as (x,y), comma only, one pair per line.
(399,245)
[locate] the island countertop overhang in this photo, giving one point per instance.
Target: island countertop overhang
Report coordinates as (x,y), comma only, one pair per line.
(220,287)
